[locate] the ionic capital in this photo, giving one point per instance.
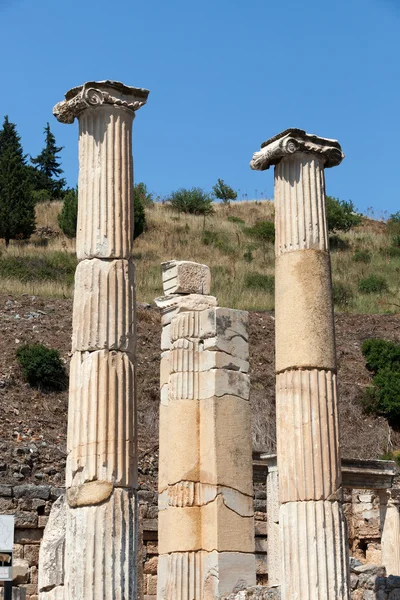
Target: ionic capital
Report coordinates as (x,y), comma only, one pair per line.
(291,141)
(97,93)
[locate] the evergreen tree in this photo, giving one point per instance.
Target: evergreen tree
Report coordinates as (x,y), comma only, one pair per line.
(68,217)
(17,209)
(48,166)
(224,192)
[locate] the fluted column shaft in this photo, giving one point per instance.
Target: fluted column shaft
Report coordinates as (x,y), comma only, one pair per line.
(312,525)
(101,472)
(390,527)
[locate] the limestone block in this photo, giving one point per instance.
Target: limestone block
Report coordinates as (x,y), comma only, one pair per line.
(190,493)
(164,368)
(307,419)
(314,551)
(185,277)
(203,575)
(166,338)
(197,385)
(105,207)
(105,542)
(52,549)
(164,441)
(20,571)
(101,429)
(57,593)
(188,355)
(212,526)
(88,494)
(300,216)
(170,306)
(181,436)
(304,314)
(104,306)
(226,443)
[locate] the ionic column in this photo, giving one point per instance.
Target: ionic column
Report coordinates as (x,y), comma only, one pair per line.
(312,524)
(390,528)
(206,526)
(101,471)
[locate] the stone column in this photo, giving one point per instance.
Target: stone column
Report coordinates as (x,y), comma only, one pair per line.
(390,528)
(273,545)
(206,515)
(312,524)
(101,471)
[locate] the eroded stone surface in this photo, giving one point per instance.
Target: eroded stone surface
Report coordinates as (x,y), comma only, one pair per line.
(185,277)
(52,553)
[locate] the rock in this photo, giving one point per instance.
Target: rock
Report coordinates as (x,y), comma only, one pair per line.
(52,548)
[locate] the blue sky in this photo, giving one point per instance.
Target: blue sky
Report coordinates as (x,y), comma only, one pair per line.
(224,75)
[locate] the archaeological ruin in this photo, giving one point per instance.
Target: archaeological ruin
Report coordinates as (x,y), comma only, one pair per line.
(227,523)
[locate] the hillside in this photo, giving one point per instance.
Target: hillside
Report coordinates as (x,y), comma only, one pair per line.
(33,426)
(242,265)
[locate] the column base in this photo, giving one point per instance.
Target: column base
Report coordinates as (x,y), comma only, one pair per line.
(101,548)
(313,538)
(204,575)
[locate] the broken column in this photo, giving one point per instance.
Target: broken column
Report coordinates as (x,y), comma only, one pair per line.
(390,528)
(206,518)
(312,524)
(101,470)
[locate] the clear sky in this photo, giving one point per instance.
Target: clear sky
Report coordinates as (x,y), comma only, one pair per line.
(224,75)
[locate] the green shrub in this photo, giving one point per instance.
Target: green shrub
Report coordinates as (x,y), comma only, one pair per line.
(41,196)
(264,231)
(194,201)
(233,219)
(395,456)
(392,251)
(381,354)
(258,281)
(341,214)
(362,256)
(139,215)
(248,255)
(42,367)
(68,217)
(342,294)
(374,284)
(146,198)
(338,243)
(383,397)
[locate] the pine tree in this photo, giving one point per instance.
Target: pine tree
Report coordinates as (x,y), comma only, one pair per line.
(17,209)
(48,166)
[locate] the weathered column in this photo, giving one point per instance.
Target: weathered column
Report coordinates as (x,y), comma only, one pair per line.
(101,471)
(206,526)
(273,545)
(312,524)
(390,528)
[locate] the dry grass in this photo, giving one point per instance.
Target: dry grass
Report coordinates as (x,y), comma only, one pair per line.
(231,253)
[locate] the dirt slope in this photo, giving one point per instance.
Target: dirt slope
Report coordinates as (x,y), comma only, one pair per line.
(33,424)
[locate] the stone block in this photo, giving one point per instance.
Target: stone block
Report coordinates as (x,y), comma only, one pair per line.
(171,305)
(52,548)
(104,306)
(20,571)
(185,277)
(32,491)
(304,313)
(31,554)
(28,536)
(193,385)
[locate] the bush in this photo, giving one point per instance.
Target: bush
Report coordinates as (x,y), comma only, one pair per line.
(381,354)
(363,256)
(68,217)
(194,201)
(341,215)
(342,294)
(41,196)
(383,360)
(139,214)
(264,231)
(258,281)
(374,284)
(42,367)
(338,243)
(146,198)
